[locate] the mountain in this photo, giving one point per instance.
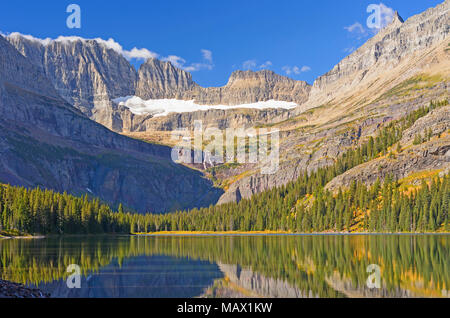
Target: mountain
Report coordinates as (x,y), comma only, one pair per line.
(46,142)
(401,69)
(89,74)
(393,55)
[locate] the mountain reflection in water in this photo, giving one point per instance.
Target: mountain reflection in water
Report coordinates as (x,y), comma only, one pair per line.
(232,266)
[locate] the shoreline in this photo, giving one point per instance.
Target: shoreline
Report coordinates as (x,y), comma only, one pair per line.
(274,233)
(220,233)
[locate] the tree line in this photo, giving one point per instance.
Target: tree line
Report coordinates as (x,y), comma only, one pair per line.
(47,212)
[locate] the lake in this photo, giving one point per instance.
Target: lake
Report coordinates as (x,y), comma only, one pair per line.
(233,266)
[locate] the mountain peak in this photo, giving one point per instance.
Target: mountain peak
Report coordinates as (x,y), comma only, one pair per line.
(397,21)
(397,18)
(158,64)
(153,60)
(159,79)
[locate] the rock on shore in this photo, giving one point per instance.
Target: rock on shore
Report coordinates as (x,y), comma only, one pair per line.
(14,290)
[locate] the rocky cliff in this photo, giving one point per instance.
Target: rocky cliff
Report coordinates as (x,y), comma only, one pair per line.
(45,141)
(246,87)
(161,80)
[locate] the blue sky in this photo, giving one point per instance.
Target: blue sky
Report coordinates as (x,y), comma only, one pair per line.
(299,38)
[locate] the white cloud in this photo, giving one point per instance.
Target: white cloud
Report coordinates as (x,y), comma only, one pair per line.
(374,22)
(355,28)
(289,70)
(134,53)
(266,64)
(180,62)
(207,55)
(305,69)
(194,67)
(254,64)
(139,54)
(249,64)
(175,60)
(29,37)
(387,15)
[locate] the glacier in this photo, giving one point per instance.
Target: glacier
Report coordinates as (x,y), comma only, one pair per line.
(163,107)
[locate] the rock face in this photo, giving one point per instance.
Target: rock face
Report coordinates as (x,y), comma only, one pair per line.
(246,87)
(438,121)
(161,80)
(432,156)
(217,118)
(45,141)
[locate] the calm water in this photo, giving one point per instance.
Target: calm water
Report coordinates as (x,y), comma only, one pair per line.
(240,266)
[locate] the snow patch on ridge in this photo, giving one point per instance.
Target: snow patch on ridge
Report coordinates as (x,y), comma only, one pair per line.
(163,107)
